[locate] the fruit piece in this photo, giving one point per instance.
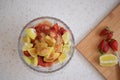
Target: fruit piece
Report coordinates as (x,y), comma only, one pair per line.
(33,52)
(53,34)
(26,53)
(26,46)
(103,46)
(58,47)
(104,31)
(46,52)
(108,60)
(27,59)
(113,44)
(62,30)
(50,41)
(66,37)
(66,48)
(31,33)
(56,27)
(109,36)
(62,57)
(35,63)
(26,39)
(53,56)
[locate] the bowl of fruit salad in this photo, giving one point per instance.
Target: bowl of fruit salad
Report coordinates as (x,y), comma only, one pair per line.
(46,44)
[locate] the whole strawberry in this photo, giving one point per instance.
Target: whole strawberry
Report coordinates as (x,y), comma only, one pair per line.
(113,44)
(105,31)
(103,46)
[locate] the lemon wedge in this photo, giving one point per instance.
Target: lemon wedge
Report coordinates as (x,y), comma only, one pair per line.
(66,37)
(62,57)
(31,33)
(108,60)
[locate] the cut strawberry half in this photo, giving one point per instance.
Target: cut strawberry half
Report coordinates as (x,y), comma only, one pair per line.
(113,44)
(26,53)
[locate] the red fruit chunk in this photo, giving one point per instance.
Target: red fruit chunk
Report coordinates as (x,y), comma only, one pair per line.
(113,44)
(104,31)
(109,36)
(56,27)
(62,30)
(26,53)
(103,46)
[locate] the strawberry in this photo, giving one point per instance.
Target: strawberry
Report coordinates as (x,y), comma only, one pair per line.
(26,53)
(103,46)
(105,31)
(113,44)
(62,30)
(56,27)
(109,36)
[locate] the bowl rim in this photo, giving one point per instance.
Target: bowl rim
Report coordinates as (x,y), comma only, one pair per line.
(46,17)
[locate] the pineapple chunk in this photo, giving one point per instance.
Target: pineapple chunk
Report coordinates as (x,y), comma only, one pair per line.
(62,57)
(66,37)
(46,51)
(33,52)
(26,46)
(26,39)
(27,59)
(50,41)
(31,33)
(58,48)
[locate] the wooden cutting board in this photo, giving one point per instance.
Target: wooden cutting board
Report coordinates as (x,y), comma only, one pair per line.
(88,46)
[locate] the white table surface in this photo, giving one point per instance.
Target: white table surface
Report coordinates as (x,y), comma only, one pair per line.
(81,15)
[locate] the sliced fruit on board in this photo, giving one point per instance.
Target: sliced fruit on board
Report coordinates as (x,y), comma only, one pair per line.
(31,32)
(108,60)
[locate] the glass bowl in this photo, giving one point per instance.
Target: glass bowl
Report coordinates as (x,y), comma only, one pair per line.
(54,67)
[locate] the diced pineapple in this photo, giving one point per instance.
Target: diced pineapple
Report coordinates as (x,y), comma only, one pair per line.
(58,48)
(50,41)
(26,39)
(27,59)
(35,61)
(33,52)
(46,52)
(62,57)
(26,46)
(66,37)
(31,33)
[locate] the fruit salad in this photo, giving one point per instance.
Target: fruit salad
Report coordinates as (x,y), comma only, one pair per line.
(45,44)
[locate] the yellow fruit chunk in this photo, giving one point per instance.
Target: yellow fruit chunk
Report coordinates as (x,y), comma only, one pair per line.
(27,59)
(66,37)
(66,48)
(26,39)
(46,52)
(26,46)
(58,48)
(52,57)
(50,41)
(33,52)
(31,33)
(62,57)
(35,61)
(108,60)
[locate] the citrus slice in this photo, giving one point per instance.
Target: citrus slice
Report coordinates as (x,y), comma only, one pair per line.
(26,39)
(62,57)
(33,52)
(26,46)
(66,37)
(31,33)
(108,60)
(27,59)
